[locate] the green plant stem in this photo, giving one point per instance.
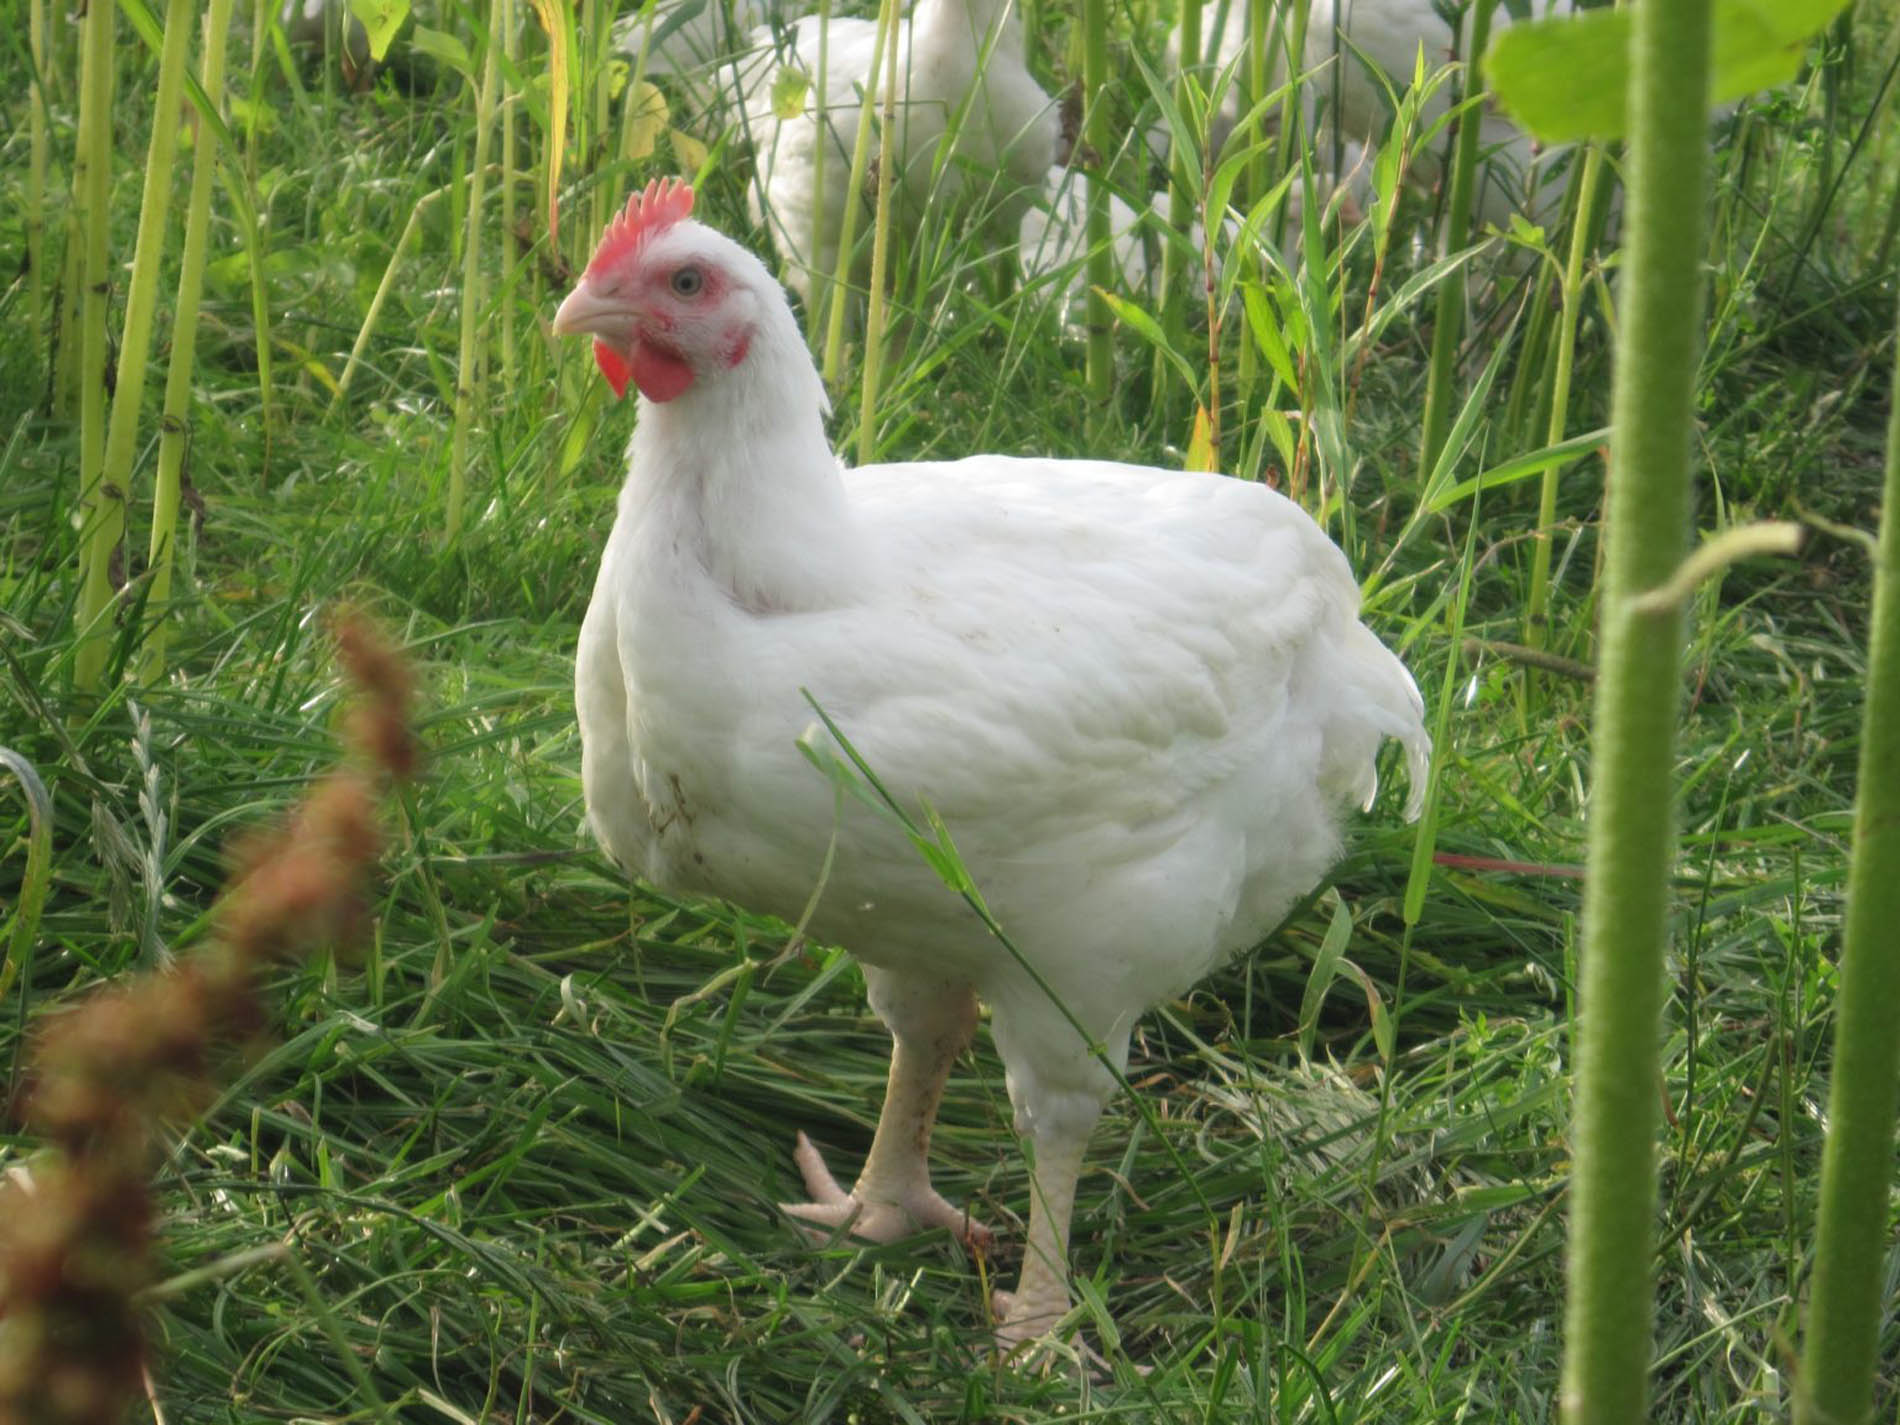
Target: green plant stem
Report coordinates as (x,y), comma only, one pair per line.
(135,344)
(468,377)
(1536,621)
(880,251)
(1183,186)
(511,50)
(1836,1382)
(1448,324)
(1100,360)
(1613,1188)
(91,174)
(860,164)
(36,172)
(820,152)
(175,426)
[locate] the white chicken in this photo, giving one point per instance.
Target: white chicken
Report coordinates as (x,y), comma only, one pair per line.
(960,65)
(1139,699)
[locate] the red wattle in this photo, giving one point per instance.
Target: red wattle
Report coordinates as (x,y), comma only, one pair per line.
(661,375)
(613,366)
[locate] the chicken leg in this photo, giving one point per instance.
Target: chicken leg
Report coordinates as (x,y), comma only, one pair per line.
(1041,1297)
(931,1022)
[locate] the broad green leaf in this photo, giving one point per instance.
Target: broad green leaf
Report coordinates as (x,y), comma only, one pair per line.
(1567,78)
(443,47)
(380,20)
(1148,328)
(1265,326)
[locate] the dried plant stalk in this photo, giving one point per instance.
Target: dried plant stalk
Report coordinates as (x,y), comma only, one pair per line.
(76,1223)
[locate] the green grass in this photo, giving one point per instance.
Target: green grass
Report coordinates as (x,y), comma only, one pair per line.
(523,1155)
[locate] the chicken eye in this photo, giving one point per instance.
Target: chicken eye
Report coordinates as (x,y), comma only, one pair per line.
(688,281)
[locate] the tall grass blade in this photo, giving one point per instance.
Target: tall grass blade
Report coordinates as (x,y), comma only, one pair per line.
(880,246)
(37,145)
(468,363)
(886,39)
(1448,327)
(39,868)
(1099,365)
(1570,313)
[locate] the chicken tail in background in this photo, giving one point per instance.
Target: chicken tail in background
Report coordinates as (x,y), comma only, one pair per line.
(77,1220)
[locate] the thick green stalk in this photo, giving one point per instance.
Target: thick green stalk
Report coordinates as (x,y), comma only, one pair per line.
(468,379)
(135,343)
(92,167)
(885,43)
(880,259)
(1836,1382)
(1631,840)
(1448,326)
(1100,361)
(175,427)
(1536,609)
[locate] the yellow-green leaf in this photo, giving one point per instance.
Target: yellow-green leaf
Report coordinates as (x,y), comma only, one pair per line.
(789,87)
(1201,454)
(647,120)
(688,152)
(380,20)
(559,29)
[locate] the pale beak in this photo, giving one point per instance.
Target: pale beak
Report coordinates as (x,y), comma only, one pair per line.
(586,310)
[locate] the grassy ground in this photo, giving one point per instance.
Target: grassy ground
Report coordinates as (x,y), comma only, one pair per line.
(520,1161)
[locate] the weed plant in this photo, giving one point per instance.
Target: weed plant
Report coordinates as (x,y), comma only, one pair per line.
(528,1151)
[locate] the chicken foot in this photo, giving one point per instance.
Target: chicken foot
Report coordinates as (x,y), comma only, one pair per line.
(931,1022)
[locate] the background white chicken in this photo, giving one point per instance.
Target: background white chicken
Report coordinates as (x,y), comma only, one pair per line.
(959,62)
(1516,176)
(1052,239)
(1138,698)
(707,51)
(1342,36)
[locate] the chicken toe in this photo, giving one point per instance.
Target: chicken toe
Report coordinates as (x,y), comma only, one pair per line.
(878,1212)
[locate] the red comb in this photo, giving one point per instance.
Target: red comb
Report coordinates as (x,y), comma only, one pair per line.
(658,206)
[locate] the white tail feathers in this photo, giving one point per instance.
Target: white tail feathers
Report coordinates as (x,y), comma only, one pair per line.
(1379,695)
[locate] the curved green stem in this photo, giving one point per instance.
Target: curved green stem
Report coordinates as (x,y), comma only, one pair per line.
(1836,1384)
